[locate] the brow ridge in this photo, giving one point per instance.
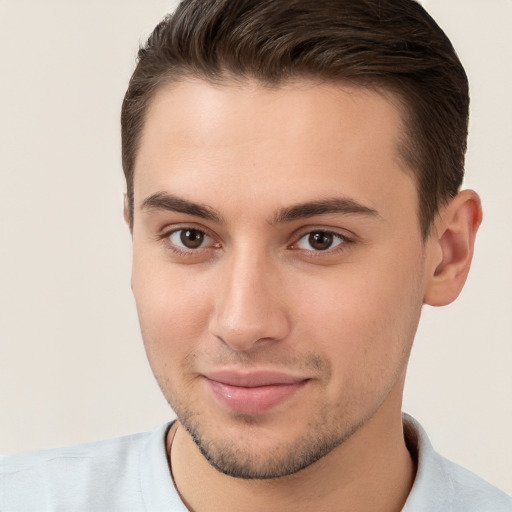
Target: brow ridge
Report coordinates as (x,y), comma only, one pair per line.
(170,202)
(340,205)
(336,205)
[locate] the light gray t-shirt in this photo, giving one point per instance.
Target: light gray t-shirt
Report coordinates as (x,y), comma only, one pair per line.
(131,474)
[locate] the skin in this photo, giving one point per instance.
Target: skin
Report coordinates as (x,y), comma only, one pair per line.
(257,295)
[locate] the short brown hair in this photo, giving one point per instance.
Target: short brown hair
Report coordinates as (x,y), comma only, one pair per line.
(392,45)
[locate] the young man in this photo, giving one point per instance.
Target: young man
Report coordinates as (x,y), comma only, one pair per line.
(293,191)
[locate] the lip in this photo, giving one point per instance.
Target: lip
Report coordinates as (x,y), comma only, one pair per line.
(253,392)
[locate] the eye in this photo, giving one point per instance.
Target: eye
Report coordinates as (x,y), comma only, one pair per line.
(319,241)
(188,238)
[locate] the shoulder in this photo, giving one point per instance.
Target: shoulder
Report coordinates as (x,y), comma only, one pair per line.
(101,475)
(442,485)
(63,463)
(470,490)
(121,446)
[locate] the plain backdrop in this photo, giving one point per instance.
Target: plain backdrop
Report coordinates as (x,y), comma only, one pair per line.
(72,366)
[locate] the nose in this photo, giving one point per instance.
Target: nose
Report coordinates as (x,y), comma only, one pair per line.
(250,309)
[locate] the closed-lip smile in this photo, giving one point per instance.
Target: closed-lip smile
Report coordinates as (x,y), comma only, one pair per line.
(252,392)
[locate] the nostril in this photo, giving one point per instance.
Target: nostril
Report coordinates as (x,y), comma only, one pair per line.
(243,334)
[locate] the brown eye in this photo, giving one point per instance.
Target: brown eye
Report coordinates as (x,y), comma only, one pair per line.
(320,240)
(188,238)
(191,238)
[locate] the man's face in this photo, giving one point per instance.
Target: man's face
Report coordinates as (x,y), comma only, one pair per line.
(278,266)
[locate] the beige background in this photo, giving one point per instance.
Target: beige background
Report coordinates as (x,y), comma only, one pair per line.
(72,367)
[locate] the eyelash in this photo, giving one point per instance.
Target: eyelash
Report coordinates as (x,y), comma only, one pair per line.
(344,241)
(183,251)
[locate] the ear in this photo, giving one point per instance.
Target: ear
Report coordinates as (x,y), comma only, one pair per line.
(126,211)
(451,245)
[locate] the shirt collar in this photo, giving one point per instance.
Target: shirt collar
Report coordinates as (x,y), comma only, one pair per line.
(158,491)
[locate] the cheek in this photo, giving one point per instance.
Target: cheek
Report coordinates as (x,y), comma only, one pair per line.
(364,321)
(173,310)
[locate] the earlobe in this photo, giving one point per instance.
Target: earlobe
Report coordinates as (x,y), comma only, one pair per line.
(451,248)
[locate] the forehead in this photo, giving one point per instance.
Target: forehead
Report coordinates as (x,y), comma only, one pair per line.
(245,137)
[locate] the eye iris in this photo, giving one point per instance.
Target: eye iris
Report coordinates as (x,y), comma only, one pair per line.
(191,238)
(320,240)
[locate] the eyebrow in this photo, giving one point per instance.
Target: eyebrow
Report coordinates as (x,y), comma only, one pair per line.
(340,205)
(336,205)
(170,202)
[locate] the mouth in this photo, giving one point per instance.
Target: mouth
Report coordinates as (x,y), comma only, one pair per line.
(253,392)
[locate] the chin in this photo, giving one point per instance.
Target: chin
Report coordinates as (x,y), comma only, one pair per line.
(253,450)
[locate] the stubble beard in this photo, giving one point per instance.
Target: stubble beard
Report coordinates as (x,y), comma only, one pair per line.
(238,460)
(324,431)
(233,462)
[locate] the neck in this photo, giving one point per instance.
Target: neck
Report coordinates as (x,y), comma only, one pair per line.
(372,470)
